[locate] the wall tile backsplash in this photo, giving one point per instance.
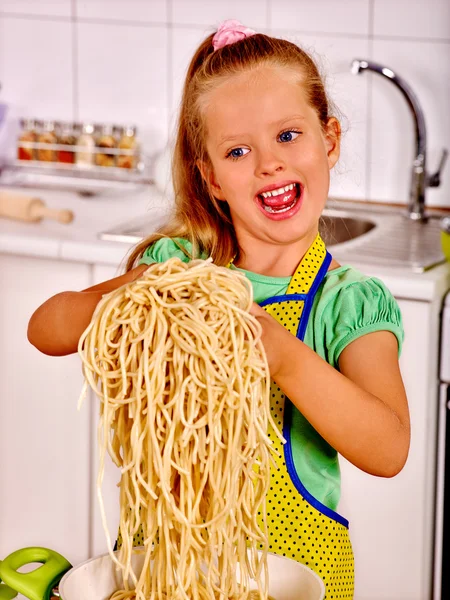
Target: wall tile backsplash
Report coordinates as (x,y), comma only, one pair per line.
(124,61)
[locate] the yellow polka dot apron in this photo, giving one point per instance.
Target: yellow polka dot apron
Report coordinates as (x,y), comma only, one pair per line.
(300,526)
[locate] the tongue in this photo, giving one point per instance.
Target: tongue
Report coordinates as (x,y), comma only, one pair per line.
(281,200)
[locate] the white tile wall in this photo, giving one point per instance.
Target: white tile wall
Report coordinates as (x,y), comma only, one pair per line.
(139,11)
(391,123)
(321,16)
(253,13)
(413,18)
(36,67)
(59,8)
(123,77)
(124,61)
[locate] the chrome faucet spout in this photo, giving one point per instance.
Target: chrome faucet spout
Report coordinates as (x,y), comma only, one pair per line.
(419,178)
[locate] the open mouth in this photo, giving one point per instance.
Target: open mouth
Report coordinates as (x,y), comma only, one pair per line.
(281,200)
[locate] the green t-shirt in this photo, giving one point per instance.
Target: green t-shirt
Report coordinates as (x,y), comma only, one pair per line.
(347,305)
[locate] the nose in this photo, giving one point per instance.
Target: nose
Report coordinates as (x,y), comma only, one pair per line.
(268,163)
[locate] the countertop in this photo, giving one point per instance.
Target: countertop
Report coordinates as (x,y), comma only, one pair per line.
(79,240)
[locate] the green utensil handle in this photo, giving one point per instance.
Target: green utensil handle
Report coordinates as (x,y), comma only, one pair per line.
(38,584)
(6,593)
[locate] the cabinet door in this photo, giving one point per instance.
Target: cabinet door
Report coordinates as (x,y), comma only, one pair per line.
(391,520)
(44,442)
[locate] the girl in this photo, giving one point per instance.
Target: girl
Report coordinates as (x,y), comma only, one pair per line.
(253,154)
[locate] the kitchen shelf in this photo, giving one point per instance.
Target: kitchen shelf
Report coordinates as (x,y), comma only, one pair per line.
(85,180)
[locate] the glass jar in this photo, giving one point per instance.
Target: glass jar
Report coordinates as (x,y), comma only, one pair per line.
(29,134)
(106,140)
(85,158)
(128,142)
(47,137)
(66,138)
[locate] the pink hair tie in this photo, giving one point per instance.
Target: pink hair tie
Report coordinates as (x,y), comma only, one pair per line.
(229,32)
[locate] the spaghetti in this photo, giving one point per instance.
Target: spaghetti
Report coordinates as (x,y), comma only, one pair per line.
(177,362)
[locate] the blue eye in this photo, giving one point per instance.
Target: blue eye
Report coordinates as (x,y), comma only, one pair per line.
(237,153)
(288,136)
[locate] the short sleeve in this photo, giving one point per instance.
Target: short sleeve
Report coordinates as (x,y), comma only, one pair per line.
(166,248)
(360,308)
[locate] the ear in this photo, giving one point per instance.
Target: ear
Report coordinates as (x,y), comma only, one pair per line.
(333,140)
(209,178)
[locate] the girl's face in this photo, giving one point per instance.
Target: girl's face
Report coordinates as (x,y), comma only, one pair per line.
(270,158)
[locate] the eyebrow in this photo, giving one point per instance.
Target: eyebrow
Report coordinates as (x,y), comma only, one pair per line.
(279,123)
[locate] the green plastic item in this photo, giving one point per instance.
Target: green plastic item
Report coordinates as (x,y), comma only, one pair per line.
(38,584)
(445,237)
(445,242)
(6,593)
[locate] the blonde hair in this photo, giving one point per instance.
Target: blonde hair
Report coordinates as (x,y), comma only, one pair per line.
(198,216)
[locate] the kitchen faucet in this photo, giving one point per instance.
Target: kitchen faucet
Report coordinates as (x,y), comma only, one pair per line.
(420,179)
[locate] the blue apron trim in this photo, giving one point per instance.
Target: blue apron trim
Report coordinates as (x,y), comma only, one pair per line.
(285,297)
(310,296)
(288,457)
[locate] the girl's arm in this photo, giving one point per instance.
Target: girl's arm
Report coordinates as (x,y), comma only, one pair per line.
(56,326)
(361,411)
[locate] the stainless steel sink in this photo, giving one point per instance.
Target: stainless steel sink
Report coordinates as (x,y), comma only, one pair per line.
(393,240)
(337,229)
(355,232)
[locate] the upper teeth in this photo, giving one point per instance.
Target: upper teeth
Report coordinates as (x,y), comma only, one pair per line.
(278,191)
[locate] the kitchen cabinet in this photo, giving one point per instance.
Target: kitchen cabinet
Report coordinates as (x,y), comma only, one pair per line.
(391,520)
(45,444)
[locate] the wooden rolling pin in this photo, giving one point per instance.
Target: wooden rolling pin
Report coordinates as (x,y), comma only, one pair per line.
(26,208)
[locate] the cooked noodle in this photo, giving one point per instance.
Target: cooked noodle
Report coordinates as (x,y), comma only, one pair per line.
(177,362)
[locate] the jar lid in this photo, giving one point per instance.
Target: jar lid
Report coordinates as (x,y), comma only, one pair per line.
(107,129)
(130,130)
(28,123)
(49,125)
(88,128)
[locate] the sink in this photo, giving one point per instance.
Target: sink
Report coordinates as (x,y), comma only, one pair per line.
(383,236)
(336,229)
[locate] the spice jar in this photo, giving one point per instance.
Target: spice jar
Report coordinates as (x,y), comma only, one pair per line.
(106,140)
(47,137)
(128,141)
(28,135)
(85,158)
(67,138)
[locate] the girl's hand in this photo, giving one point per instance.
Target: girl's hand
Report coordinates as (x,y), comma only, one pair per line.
(271,337)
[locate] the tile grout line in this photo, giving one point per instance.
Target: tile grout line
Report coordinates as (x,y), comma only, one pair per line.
(29,17)
(368,179)
(169,57)
(91,415)
(75,82)
(269,16)
(149,24)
